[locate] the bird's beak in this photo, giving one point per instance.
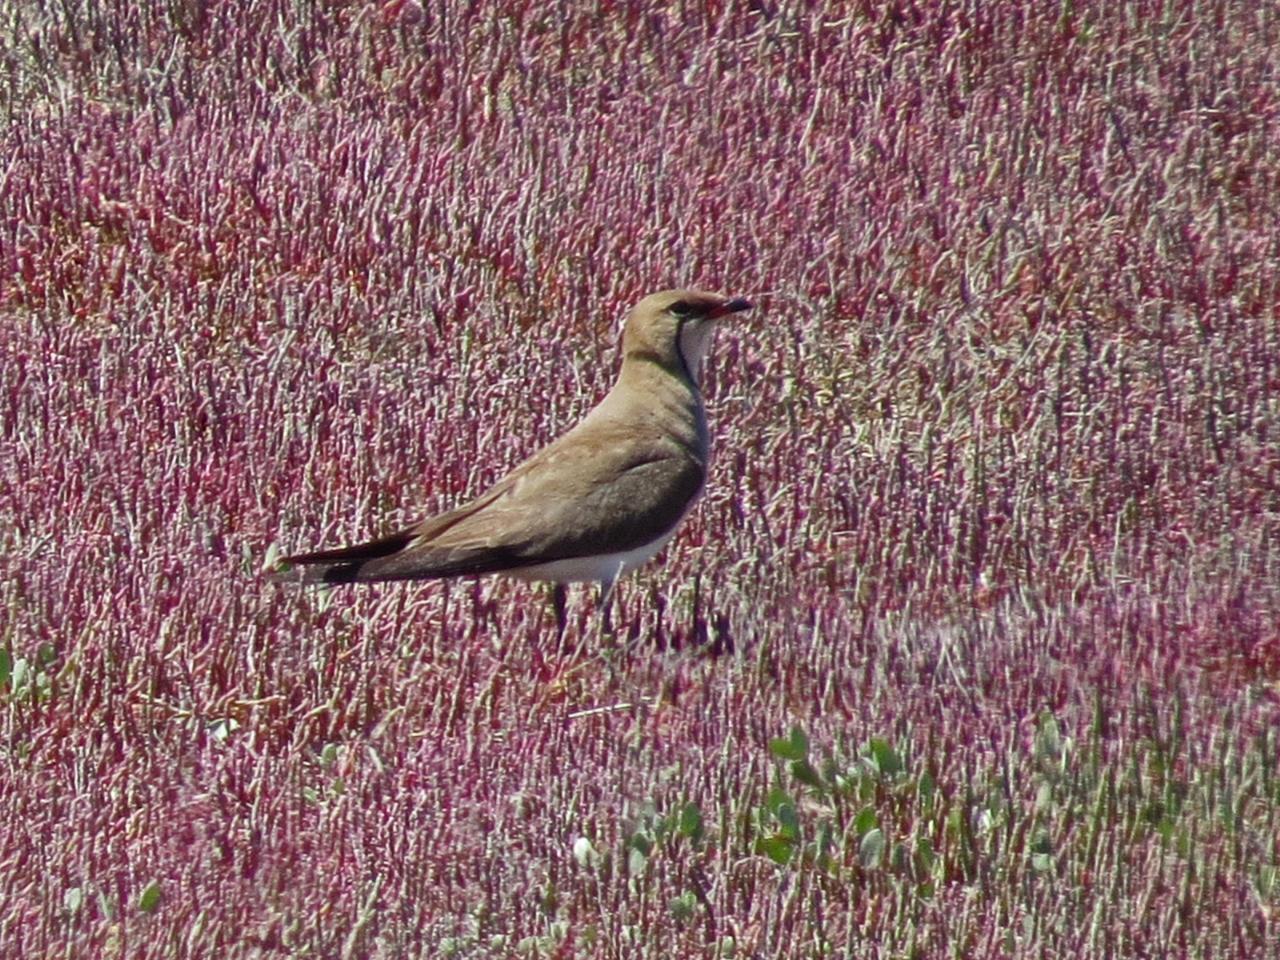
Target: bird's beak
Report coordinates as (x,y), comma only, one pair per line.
(736,305)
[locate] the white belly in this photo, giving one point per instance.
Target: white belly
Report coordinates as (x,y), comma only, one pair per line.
(602,568)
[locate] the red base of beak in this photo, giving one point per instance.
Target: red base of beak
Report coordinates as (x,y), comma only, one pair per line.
(736,305)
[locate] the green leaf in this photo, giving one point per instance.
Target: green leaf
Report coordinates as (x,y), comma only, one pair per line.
(149,899)
(899,858)
(794,747)
(106,906)
(21,675)
(329,755)
(803,771)
(780,747)
(865,821)
(1267,881)
(887,760)
(1044,796)
(691,822)
(684,906)
(871,849)
(73,899)
(46,654)
(799,741)
(776,799)
(548,899)
(925,855)
(777,848)
(826,840)
(636,862)
(6,668)
(783,808)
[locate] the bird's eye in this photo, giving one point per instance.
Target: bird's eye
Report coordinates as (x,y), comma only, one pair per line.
(681,309)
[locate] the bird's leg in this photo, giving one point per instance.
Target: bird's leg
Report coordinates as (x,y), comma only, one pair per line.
(607,602)
(605,605)
(606,649)
(559,594)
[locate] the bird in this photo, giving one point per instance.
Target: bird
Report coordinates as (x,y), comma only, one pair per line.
(594,504)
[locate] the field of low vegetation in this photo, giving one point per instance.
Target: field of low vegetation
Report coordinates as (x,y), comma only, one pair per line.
(971,649)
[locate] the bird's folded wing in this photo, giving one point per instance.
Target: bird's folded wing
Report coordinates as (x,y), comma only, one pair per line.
(544,512)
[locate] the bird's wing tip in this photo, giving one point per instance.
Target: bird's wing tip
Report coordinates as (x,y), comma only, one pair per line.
(285,570)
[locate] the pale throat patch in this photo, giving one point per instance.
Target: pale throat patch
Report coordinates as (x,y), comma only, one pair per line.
(695,340)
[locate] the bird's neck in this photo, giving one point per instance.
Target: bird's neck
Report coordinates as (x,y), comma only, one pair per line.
(664,395)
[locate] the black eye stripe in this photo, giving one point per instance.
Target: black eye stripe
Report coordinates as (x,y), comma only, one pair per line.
(689,309)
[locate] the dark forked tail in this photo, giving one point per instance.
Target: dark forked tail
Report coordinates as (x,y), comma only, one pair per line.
(340,565)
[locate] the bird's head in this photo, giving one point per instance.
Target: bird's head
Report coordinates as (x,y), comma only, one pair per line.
(673,328)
